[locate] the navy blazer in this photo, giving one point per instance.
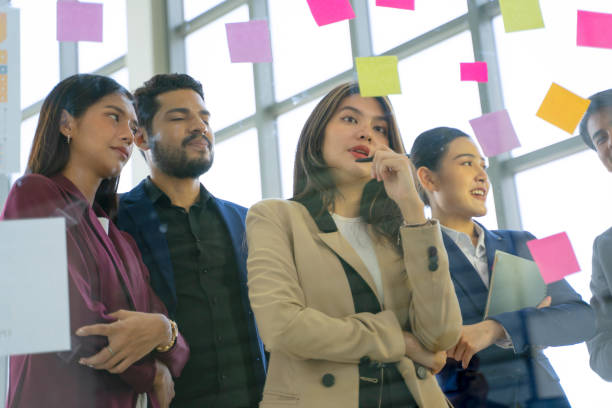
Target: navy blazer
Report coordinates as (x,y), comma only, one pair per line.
(523,373)
(137,216)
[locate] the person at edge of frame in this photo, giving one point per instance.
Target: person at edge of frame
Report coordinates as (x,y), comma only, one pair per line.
(596,131)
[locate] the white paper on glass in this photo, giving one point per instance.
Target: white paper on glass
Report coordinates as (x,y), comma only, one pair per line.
(34,310)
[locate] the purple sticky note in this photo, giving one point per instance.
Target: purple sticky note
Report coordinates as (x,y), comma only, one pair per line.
(79,21)
(594,29)
(495,133)
(330,11)
(555,257)
(474,71)
(399,4)
(249,41)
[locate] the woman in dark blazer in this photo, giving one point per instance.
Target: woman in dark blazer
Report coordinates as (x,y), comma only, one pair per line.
(83,139)
(498,362)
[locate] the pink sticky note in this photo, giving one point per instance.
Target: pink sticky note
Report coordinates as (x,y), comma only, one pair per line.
(594,29)
(495,133)
(555,257)
(79,21)
(330,11)
(399,4)
(474,71)
(249,42)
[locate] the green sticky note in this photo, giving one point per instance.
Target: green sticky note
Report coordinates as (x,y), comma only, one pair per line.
(378,76)
(521,15)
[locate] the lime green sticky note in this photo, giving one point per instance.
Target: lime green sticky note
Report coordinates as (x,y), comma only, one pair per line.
(378,76)
(521,15)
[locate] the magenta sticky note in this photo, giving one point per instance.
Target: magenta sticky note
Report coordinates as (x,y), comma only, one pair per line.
(474,71)
(495,133)
(399,4)
(594,29)
(330,11)
(78,21)
(249,41)
(554,256)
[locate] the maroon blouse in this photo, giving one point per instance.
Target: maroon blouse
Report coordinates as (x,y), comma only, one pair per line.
(106,273)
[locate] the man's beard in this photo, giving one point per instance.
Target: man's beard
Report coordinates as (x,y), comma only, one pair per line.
(174,162)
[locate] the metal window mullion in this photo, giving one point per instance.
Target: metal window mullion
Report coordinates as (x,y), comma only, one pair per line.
(215,13)
(68,59)
(505,194)
(176,40)
(361,35)
(267,134)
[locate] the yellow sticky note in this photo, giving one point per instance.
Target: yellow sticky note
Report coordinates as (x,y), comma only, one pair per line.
(2,27)
(521,15)
(563,108)
(378,76)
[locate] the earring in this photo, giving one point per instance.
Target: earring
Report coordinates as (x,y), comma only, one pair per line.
(68,138)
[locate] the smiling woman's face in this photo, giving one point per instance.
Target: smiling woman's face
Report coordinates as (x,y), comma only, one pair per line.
(461,184)
(356,130)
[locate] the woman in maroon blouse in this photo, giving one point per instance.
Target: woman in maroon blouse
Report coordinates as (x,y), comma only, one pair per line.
(122,343)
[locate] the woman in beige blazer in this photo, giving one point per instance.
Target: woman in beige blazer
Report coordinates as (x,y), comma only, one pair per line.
(348,281)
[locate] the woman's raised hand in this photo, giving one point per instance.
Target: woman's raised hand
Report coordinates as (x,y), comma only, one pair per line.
(396,171)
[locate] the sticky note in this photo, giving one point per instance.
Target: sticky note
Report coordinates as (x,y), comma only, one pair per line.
(555,257)
(495,133)
(519,15)
(330,11)
(249,41)
(399,4)
(563,108)
(378,76)
(474,71)
(78,21)
(594,29)
(2,27)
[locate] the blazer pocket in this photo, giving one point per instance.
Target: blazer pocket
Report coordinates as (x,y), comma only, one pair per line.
(278,397)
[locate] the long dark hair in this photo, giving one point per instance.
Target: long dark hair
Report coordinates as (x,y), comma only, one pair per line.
(429,149)
(50,150)
(311,175)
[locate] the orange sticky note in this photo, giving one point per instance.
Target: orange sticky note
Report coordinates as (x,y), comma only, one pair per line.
(563,108)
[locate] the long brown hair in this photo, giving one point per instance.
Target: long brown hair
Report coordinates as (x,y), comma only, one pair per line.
(50,150)
(311,175)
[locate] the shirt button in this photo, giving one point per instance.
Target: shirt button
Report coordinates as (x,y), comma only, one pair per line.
(433,266)
(205,270)
(432,251)
(219,339)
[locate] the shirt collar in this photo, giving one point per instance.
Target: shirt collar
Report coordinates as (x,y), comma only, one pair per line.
(457,236)
(157,195)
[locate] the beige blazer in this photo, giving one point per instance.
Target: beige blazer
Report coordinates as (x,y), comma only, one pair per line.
(305,313)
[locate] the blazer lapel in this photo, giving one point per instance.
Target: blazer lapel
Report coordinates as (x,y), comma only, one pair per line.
(140,208)
(494,242)
(329,234)
(236,231)
(465,277)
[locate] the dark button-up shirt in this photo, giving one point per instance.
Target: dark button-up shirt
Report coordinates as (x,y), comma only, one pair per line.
(209,312)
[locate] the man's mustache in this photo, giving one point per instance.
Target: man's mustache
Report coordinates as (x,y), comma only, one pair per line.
(194,136)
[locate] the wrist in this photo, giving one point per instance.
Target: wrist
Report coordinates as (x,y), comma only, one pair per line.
(168,338)
(497,330)
(413,214)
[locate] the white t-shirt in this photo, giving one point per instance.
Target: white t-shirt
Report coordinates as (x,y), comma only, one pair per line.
(355,231)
